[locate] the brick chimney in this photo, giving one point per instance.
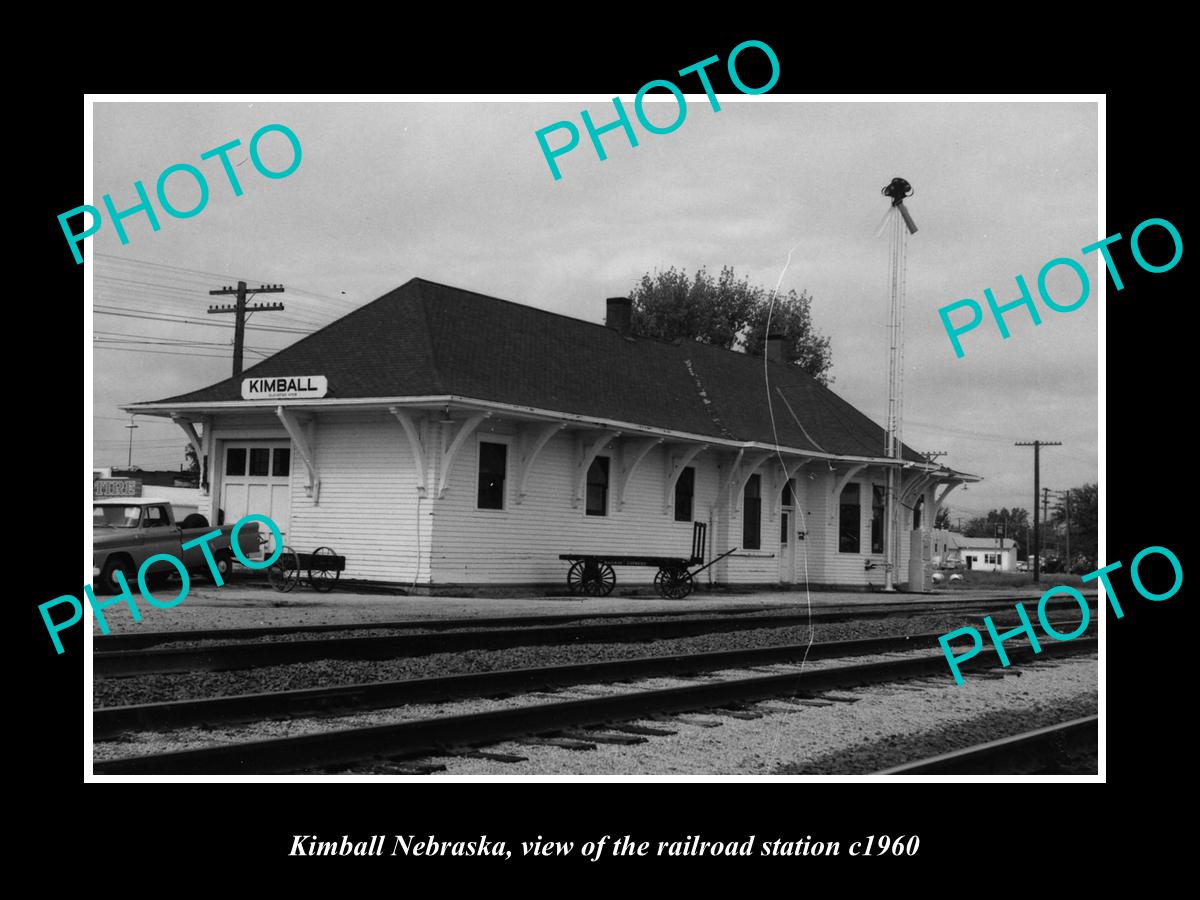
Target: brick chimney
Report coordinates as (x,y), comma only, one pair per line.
(620,315)
(775,344)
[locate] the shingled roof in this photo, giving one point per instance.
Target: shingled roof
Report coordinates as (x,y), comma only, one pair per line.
(427,339)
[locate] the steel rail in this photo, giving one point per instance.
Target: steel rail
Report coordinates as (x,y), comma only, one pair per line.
(1021,753)
(108,722)
(345,747)
(134,640)
(221,657)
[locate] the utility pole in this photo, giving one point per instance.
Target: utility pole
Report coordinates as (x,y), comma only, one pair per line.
(130,426)
(1046,516)
(239,309)
(1065,497)
(1037,490)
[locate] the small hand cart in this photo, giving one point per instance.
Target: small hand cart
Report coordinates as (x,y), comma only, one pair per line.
(323,567)
(592,573)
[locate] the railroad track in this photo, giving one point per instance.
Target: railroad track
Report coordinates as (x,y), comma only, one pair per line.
(457,734)
(1030,753)
(248,655)
(107,722)
(139,639)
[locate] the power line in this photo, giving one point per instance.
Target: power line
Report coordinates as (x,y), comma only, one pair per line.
(164,352)
(127,312)
(206,276)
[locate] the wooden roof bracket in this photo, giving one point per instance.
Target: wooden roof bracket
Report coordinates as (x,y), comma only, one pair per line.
(837,489)
(532,443)
(465,431)
(748,469)
(414,444)
(675,467)
(587,455)
(302,441)
(632,454)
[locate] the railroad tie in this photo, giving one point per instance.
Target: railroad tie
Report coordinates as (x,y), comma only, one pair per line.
(564,743)
(407,768)
(691,720)
(603,737)
(735,713)
(644,729)
(485,754)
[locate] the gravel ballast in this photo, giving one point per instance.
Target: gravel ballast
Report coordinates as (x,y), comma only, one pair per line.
(887,724)
(329,673)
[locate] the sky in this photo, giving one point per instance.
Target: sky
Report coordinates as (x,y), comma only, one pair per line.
(460,193)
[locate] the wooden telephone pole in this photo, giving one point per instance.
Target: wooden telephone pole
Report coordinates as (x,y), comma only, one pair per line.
(239,309)
(1037,490)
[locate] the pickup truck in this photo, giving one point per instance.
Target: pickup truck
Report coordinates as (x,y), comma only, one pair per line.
(127,531)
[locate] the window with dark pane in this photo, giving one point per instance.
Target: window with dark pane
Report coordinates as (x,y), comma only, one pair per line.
(597,487)
(685,488)
(917,507)
(235,461)
(787,496)
(283,461)
(878,505)
(848,520)
(752,514)
(260,461)
(493,465)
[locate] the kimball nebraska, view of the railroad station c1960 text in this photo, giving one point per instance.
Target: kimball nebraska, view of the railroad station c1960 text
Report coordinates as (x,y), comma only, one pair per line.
(661,467)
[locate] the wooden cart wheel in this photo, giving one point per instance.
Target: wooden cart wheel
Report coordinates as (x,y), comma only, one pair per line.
(603,580)
(284,573)
(675,584)
(321,576)
(590,577)
(575,578)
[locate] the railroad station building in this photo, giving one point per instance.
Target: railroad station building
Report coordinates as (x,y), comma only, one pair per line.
(438,437)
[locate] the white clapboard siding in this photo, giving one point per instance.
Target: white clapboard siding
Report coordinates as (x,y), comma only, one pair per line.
(368,509)
(522,542)
(827,565)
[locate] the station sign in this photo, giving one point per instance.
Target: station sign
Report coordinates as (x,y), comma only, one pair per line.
(292,387)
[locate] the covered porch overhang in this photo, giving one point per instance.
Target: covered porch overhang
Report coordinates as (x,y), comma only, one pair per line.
(533,428)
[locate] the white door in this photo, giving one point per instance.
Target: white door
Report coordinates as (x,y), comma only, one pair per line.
(256,479)
(787,533)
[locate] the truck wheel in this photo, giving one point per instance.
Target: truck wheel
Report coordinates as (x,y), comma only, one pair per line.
(223,560)
(108,581)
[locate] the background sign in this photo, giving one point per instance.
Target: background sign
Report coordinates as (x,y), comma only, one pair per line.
(116,487)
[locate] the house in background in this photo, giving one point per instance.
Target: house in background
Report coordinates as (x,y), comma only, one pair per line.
(954,550)
(439,437)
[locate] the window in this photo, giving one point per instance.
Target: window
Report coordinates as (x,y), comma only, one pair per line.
(685,488)
(156,517)
(752,514)
(235,461)
(283,461)
(878,505)
(848,520)
(788,496)
(597,487)
(917,512)
(260,461)
(493,464)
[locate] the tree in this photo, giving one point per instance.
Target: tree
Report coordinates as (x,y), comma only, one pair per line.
(791,316)
(193,464)
(943,519)
(728,312)
(1084,517)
